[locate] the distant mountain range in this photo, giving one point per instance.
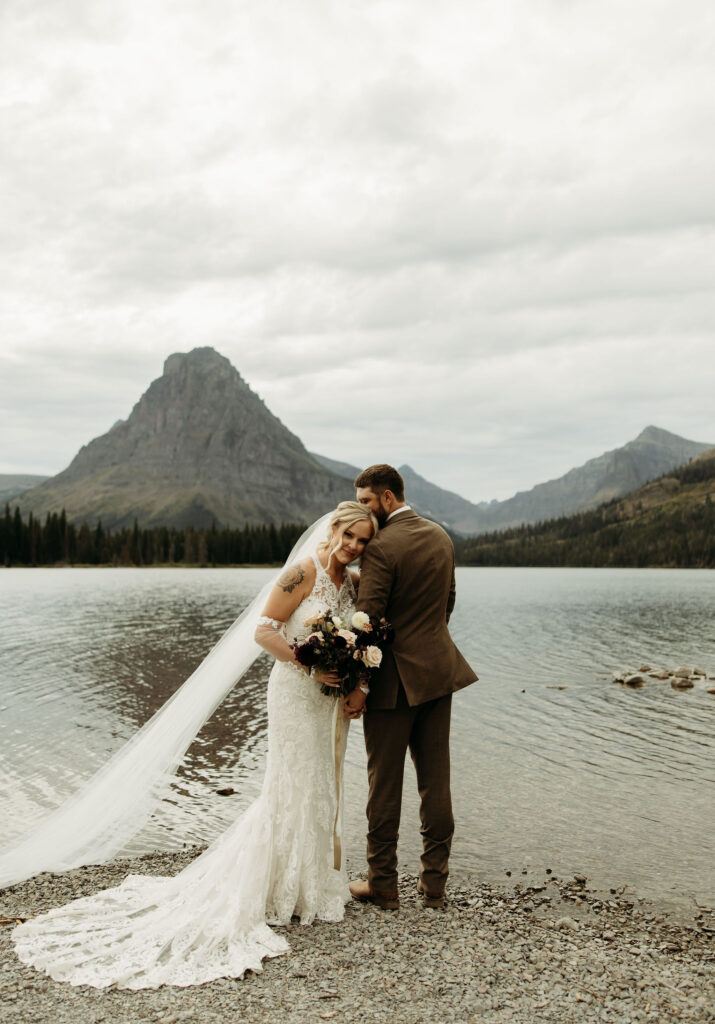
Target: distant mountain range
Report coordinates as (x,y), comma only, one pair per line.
(445,507)
(667,522)
(653,452)
(610,475)
(200,446)
(13,484)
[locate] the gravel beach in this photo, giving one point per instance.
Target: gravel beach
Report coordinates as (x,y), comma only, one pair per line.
(545,949)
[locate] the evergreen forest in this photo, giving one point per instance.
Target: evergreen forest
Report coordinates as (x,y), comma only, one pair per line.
(669,522)
(32,542)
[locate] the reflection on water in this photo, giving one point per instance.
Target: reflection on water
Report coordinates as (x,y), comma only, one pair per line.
(89,655)
(592,777)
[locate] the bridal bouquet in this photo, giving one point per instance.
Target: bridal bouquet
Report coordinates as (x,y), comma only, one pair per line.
(353,653)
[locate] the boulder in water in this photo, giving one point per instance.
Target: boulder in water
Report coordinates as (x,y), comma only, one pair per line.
(634,681)
(681,683)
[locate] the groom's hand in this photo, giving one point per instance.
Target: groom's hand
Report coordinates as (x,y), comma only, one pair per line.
(354,704)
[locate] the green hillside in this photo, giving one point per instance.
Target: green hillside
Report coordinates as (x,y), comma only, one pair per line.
(669,522)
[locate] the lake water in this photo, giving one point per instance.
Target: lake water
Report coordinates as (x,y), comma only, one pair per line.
(591,777)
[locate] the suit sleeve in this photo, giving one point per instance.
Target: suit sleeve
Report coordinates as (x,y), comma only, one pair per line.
(376,578)
(452,594)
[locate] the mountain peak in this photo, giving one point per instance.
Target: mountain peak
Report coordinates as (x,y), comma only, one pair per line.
(611,475)
(657,434)
(445,507)
(202,358)
(198,447)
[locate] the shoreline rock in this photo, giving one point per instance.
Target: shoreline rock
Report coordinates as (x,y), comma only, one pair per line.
(682,683)
(681,678)
(552,951)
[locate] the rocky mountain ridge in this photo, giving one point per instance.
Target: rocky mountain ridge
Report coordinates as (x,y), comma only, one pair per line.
(667,522)
(615,473)
(199,446)
(610,475)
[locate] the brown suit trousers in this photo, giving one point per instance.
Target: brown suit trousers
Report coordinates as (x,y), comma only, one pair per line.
(408,576)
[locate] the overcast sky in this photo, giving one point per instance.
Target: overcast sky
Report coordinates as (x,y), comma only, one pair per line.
(475,237)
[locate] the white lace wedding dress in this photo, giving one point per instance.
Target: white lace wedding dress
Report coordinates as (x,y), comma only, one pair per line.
(281,857)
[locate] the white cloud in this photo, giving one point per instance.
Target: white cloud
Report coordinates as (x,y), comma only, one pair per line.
(488,224)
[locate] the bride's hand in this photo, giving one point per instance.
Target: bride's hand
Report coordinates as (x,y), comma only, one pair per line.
(326,678)
(354,704)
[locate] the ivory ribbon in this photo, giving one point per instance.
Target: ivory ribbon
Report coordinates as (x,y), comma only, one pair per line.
(338,761)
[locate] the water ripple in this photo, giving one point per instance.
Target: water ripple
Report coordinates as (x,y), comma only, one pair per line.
(590,776)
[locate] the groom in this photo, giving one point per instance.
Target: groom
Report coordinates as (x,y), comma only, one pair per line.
(408,577)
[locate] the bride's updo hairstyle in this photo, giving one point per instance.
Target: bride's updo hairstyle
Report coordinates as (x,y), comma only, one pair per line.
(346,515)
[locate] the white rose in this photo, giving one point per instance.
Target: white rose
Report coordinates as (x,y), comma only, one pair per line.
(347,634)
(337,621)
(360,620)
(372,657)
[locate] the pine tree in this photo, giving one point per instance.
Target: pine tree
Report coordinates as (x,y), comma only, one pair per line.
(98,544)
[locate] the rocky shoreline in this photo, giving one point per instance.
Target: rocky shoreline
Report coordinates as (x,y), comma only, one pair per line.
(681,678)
(550,950)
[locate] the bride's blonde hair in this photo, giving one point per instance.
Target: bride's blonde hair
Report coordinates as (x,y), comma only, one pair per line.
(345,515)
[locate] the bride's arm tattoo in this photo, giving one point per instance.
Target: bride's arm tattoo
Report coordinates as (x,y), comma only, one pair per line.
(291,578)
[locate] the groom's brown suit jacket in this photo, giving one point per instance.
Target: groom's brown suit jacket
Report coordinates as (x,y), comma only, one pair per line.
(408,576)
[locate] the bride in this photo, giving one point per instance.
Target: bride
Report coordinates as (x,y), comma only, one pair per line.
(280,858)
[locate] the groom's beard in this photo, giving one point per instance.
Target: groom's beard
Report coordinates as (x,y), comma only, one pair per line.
(382,516)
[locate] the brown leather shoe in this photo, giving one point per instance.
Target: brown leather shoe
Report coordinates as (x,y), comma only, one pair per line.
(431,899)
(363,891)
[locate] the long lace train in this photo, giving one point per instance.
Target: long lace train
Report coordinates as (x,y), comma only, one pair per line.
(280,858)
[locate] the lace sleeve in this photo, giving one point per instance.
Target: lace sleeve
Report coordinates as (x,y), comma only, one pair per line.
(269,634)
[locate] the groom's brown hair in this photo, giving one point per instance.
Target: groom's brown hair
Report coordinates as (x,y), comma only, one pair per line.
(381,478)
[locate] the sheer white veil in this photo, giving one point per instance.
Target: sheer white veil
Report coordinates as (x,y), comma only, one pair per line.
(95,823)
